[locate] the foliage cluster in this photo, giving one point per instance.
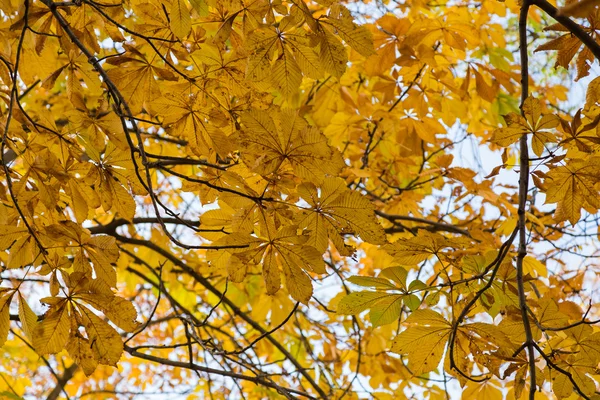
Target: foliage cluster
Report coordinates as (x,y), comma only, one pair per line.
(209,194)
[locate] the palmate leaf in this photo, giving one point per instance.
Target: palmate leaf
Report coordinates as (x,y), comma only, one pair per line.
(385,307)
(415,250)
(571,186)
(534,122)
(186,117)
(293,57)
(423,341)
(277,129)
(269,142)
(136,82)
(59,326)
(335,211)
(277,251)
(568,45)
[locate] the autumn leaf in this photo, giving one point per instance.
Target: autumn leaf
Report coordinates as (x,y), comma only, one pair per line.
(535,123)
(282,250)
(80,350)
(286,141)
(335,211)
(178,176)
(51,334)
(5,299)
(105,342)
(570,187)
(27,317)
(181,23)
(423,341)
(568,45)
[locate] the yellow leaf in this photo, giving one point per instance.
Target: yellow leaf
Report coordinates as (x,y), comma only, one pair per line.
(358,37)
(119,311)
(489,390)
(286,75)
(52,332)
(306,57)
(423,341)
(23,252)
(396,274)
(549,316)
(5,299)
(80,350)
(415,250)
(181,22)
(368,281)
(332,54)
(105,342)
(27,317)
(335,210)
(534,267)
(270,142)
(201,7)
(578,8)
(357,302)
(9,234)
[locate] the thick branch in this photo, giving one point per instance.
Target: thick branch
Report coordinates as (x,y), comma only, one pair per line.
(62,381)
(440,226)
(115,223)
(196,367)
(523,189)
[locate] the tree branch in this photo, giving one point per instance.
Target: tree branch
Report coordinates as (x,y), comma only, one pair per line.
(187,365)
(236,310)
(523,189)
(571,25)
(440,226)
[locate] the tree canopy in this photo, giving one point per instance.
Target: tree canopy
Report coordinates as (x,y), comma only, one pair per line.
(204,199)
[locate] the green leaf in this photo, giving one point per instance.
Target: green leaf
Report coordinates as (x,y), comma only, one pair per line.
(368,281)
(412,302)
(10,396)
(357,302)
(386,311)
(396,274)
(417,285)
